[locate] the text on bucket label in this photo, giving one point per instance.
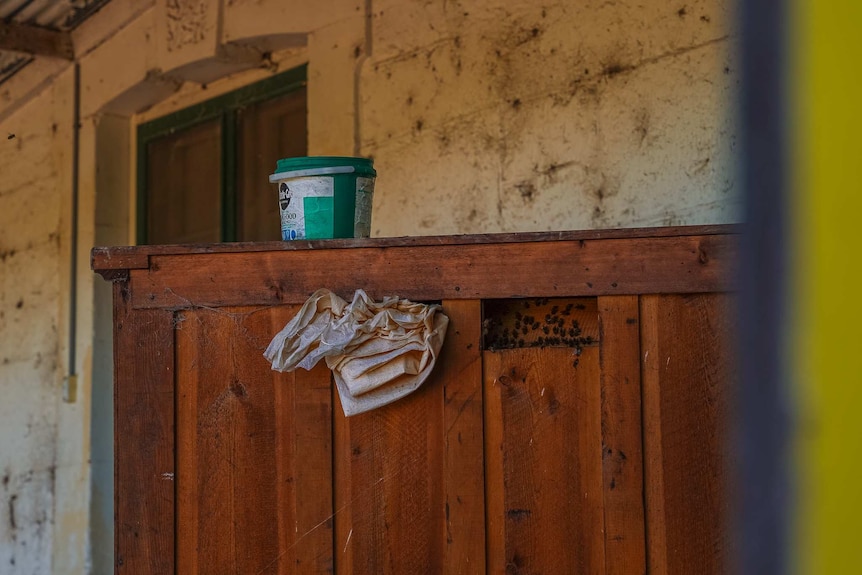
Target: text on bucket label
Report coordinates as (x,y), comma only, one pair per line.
(306,206)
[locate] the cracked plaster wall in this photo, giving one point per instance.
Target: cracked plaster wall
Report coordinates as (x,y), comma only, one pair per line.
(34,161)
(496,116)
(502,116)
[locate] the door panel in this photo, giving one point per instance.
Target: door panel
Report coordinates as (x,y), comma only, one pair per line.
(543,427)
(688,380)
(524,456)
(268,131)
(254,450)
(409,489)
(184,186)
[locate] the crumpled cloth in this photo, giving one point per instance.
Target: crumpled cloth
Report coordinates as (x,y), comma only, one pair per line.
(378,351)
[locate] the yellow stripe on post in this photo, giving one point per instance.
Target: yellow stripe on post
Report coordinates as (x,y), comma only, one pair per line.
(826,84)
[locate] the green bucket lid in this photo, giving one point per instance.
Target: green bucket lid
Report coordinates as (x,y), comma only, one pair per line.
(360,166)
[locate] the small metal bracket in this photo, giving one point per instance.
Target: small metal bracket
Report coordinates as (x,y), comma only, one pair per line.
(70,388)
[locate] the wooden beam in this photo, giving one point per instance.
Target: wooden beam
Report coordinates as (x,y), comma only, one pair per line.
(693,264)
(130,257)
(36,41)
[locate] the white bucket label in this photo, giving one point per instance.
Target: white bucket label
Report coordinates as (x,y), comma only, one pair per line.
(306,206)
(362,214)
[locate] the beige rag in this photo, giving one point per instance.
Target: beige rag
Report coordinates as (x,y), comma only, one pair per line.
(378,351)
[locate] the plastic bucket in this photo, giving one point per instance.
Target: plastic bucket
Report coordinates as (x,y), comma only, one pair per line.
(324,197)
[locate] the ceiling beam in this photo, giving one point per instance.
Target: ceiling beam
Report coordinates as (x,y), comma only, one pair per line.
(36,41)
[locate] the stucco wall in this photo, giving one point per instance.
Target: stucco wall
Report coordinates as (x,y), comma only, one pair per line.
(513,116)
(481,116)
(34,159)
(493,116)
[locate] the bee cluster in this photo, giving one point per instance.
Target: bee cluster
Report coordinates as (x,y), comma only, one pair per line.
(541,322)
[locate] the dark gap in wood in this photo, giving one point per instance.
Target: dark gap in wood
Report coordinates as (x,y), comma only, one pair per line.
(540,322)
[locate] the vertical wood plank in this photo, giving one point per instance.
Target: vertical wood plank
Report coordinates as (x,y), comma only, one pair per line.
(186,479)
(255,475)
(343,497)
(210,412)
(409,476)
(460,373)
(653,458)
(144,437)
(548,440)
(269,130)
(305,471)
(396,495)
(495,487)
(687,378)
(622,455)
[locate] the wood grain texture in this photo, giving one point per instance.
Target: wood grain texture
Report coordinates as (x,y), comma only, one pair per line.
(622,453)
(654,504)
(36,40)
(495,485)
(687,373)
(267,131)
(507,270)
(460,374)
(127,257)
(108,262)
(543,427)
(409,475)
(143,438)
(304,471)
(343,485)
(395,492)
(254,478)
(524,459)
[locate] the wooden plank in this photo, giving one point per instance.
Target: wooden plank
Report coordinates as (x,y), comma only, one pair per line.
(188,483)
(543,470)
(106,261)
(622,455)
(396,494)
(343,497)
(490,271)
(143,438)
(268,131)
(109,257)
(460,374)
(254,450)
(171,185)
(653,458)
(495,487)
(305,462)
(687,374)
(409,475)
(35,40)
(213,404)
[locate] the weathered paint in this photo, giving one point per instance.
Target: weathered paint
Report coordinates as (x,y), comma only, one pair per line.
(551,115)
(30,331)
(481,116)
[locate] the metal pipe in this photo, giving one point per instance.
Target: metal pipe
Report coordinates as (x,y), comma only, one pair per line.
(71,384)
